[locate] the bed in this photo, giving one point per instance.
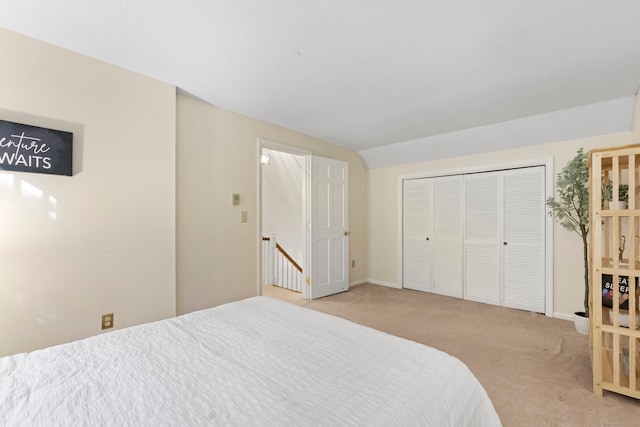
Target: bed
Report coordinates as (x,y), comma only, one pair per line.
(255,362)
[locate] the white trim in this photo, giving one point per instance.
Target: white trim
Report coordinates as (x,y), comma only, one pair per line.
(563,316)
(549,288)
(278,146)
(515,164)
(358,283)
(387,284)
(400,251)
(547,162)
(260,274)
(308,250)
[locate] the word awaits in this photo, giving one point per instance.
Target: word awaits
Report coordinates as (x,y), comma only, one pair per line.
(27,152)
(27,148)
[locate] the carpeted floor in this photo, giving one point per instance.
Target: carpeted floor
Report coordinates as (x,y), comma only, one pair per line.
(536,369)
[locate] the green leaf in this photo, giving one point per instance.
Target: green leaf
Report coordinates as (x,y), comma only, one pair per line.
(571,206)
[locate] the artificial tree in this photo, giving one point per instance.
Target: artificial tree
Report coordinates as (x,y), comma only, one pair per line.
(623,192)
(571,207)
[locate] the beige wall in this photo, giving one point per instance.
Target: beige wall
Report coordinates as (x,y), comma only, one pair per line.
(384,215)
(138,210)
(102,240)
(217,155)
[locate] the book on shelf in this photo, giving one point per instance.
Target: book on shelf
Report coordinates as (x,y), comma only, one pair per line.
(623,291)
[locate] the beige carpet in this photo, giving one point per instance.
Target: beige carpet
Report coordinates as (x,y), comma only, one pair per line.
(536,370)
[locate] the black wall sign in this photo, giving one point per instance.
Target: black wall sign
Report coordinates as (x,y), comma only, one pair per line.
(26,148)
(623,288)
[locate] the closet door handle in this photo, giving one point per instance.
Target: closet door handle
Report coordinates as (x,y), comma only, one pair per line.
(504,243)
(427,238)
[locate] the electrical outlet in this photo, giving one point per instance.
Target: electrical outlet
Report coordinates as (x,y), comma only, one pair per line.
(107,321)
(243,216)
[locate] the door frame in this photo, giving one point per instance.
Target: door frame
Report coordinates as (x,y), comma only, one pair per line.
(547,162)
(263,143)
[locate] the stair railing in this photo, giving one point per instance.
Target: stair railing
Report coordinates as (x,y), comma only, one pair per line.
(280,269)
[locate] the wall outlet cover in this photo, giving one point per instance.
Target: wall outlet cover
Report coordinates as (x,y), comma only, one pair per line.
(107,321)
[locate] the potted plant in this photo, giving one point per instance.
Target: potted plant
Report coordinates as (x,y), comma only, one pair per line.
(571,209)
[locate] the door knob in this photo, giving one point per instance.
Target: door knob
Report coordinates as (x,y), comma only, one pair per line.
(346,233)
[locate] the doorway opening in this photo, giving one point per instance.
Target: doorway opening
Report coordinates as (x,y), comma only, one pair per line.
(283,217)
(324,195)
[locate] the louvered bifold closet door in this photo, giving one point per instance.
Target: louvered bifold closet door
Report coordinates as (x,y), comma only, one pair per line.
(524,239)
(482,243)
(447,235)
(417,250)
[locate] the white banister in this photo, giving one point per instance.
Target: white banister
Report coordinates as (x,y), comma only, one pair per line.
(279,268)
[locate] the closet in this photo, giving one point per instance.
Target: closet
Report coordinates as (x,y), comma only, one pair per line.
(432,235)
(477,236)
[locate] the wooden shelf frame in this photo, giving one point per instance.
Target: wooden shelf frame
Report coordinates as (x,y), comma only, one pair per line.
(614,250)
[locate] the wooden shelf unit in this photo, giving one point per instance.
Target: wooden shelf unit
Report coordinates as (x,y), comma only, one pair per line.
(614,257)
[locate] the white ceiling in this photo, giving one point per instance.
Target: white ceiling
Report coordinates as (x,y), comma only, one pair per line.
(361,73)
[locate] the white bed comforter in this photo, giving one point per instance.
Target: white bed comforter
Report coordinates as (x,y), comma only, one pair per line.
(257,362)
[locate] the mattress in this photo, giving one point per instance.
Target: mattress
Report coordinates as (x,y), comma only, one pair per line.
(255,362)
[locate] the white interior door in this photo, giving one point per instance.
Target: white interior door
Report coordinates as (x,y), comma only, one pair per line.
(524,239)
(448,242)
(482,241)
(329,227)
(417,235)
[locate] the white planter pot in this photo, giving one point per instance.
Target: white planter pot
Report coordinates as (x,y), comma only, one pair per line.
(581,323)
(623,318)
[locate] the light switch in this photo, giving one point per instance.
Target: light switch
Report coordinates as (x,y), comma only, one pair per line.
(235,199)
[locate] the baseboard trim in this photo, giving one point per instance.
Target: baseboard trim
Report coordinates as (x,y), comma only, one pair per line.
(387,284)
(563,316)
(358,283)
